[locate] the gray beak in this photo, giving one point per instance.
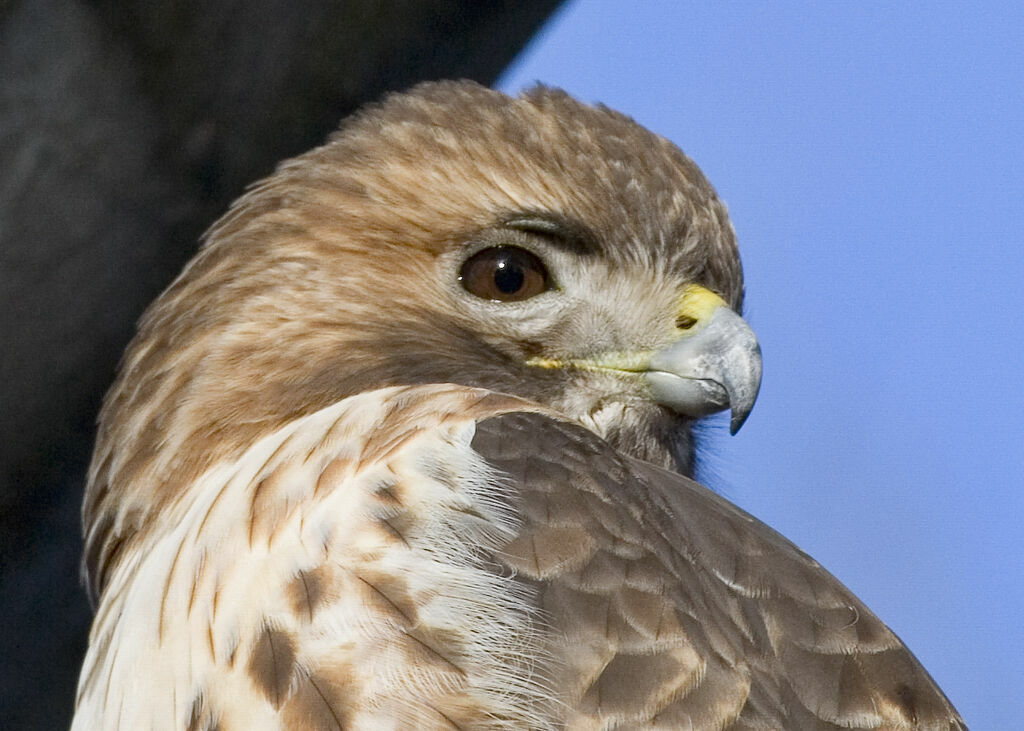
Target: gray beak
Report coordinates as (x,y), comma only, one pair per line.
(713,369)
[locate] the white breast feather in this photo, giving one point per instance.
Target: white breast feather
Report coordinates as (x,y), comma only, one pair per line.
(208,581)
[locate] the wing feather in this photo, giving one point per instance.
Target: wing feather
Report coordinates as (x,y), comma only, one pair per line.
(679,610)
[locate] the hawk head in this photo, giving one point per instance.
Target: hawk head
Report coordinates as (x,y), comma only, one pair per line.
(280,541)
(534,245)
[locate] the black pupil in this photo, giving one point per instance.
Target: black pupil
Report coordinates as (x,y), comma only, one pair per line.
(509,276)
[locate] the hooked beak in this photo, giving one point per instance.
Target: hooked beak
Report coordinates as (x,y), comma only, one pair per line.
(718,367)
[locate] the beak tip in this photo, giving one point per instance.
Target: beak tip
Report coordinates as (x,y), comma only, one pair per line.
(717,368)
(736,422)
(742,404)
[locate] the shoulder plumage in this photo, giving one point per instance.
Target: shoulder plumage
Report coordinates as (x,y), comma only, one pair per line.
(676,609)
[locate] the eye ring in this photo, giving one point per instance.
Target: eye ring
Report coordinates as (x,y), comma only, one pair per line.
(504,274)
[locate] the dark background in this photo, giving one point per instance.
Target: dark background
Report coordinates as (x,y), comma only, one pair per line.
(126,128)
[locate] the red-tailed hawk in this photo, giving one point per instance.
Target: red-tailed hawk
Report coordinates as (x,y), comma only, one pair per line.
(408,445)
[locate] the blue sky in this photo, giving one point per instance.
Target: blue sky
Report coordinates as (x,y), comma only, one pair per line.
(872,158)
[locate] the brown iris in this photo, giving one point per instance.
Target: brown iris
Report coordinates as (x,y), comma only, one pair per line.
(504,273)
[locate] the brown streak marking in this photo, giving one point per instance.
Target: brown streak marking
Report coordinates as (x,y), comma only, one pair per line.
(387,494)
(470,511)
(260,485)
(191,596)
(112,553)
(395,531)
(224,487)
(334,424)
(167,588)
(327,703)
(331,471)
(252,509)
(195,713)
(216,600)
(286,514)
(312,596)
(209,638)
(272,664)
(388,599)
(195,584)
(285,506)
(432,651)
(390,447)
(309,600)
(379,446)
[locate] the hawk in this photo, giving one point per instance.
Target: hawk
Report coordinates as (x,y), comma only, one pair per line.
(409,444)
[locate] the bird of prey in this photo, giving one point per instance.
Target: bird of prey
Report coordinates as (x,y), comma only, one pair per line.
(409,444)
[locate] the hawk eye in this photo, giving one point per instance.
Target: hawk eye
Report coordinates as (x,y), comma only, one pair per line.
(504,274)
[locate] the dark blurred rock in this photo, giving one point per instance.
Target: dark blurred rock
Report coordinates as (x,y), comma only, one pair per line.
(125,129)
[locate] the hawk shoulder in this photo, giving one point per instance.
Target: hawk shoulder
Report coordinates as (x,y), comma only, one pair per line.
(440,556)
(674,608)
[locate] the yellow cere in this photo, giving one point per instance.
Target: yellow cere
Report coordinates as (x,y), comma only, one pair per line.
(697,303)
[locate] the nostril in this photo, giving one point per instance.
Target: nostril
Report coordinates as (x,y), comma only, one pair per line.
(685,322)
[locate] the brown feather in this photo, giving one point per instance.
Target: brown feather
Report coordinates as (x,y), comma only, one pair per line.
(778,640)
